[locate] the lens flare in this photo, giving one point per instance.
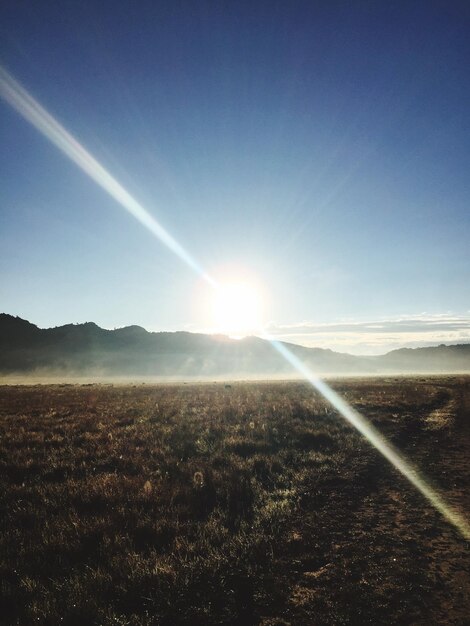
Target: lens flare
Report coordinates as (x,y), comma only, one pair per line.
(17,96)
(13,93)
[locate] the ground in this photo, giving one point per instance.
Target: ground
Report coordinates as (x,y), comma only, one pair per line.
(249,504)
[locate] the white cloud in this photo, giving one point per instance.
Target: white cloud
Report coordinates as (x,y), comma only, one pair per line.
(378,336)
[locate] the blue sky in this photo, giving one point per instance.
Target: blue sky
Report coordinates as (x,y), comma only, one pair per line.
(321,147)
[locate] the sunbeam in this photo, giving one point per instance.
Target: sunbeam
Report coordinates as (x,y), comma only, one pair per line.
(17,96)
(374,437)
(13,93)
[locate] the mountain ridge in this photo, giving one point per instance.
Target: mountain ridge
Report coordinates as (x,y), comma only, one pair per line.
(88,349)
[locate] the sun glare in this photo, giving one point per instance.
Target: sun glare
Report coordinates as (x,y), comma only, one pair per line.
(237,309)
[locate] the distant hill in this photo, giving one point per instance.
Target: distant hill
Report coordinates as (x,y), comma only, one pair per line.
(88,350)
(440,358)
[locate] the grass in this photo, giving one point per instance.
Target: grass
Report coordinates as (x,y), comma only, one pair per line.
(204,505)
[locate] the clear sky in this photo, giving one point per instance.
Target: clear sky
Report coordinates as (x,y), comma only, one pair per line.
(321,148)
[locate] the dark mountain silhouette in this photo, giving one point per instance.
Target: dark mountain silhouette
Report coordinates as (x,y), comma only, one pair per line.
(87,349)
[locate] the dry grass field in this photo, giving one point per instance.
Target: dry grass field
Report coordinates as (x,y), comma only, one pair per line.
(249,504)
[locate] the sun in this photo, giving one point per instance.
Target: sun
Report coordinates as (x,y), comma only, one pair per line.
(237,309)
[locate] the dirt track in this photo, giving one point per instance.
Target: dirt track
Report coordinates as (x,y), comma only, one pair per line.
(385,555)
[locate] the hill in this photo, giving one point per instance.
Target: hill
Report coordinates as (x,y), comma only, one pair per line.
(87,349)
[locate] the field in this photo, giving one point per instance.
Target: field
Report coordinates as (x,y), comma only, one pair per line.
(247,504)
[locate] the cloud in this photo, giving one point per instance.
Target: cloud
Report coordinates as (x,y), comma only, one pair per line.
(378,336)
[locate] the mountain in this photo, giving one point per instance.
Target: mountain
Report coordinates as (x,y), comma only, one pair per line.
(433,359)
(87,349)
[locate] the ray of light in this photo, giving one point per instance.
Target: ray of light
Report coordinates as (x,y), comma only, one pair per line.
(374,437)
(13,93)
(17,96)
